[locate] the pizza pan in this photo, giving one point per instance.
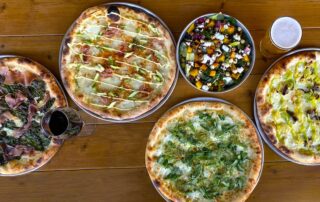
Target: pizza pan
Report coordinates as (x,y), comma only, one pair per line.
(256,118)
(65,98)
(155,108)
(212,99)
(252,54)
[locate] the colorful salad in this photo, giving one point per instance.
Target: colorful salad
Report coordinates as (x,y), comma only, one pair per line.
(215,53)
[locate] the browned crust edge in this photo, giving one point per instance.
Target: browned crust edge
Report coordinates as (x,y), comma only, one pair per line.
(143,108)
(250,132)
(15,167)
(263,107)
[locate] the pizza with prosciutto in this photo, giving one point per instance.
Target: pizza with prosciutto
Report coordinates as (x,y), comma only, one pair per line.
(27,92)
(117,61)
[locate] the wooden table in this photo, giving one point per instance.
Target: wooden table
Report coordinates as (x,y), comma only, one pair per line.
(109,165)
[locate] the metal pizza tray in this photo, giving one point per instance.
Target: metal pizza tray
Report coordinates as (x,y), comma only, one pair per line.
(253,53)
(256,118)
(65,98)
(212,99)
(156,107)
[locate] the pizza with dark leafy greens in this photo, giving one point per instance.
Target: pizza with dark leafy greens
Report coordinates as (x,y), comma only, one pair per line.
(27,91)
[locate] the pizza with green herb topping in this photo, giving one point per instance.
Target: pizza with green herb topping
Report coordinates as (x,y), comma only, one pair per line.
(288,106)
(204,151)
(27,92)
(118,62)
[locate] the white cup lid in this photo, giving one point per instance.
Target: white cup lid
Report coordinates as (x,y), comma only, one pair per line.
(286,32)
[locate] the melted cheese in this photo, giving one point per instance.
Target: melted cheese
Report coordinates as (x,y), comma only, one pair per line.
(175,151)
(290,109)
(128,47)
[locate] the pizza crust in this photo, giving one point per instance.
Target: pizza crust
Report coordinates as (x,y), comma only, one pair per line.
(30,70)
(263,108)
(67,76)
(187,110)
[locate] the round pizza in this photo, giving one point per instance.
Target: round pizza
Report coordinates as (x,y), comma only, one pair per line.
(27,92)
(117,61)
(204,151)
(288,106)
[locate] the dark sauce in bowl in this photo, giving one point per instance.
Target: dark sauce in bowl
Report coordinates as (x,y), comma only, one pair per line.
(58,123)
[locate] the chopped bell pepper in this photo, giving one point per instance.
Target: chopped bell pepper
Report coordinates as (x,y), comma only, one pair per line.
(194,72)
(231,30)
(203,67)
(235,76)
(221,58)
(212,73)
(191,28)
(246,58)
(198,84)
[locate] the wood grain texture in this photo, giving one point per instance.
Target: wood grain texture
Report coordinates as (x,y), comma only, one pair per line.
(279,182)
(112,146)
(35,15)
(109,164)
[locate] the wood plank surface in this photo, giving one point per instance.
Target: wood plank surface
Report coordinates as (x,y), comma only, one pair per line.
(112,146)
(109,164)
(54,17)
(279,182)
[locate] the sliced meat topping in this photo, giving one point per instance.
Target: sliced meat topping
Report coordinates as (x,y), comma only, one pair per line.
(32,110)
(15,99)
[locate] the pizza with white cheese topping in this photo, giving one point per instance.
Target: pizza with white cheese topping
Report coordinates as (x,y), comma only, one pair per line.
(204,151)
(288,106)
(118,62)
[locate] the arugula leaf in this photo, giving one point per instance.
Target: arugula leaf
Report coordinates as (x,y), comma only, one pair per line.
(21,111)
(37,88)
(232,20)
(46,107)
(12,88)
(9,124)
(35,138)
(3,106)
(8,140)
(3,160)
(174,174)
